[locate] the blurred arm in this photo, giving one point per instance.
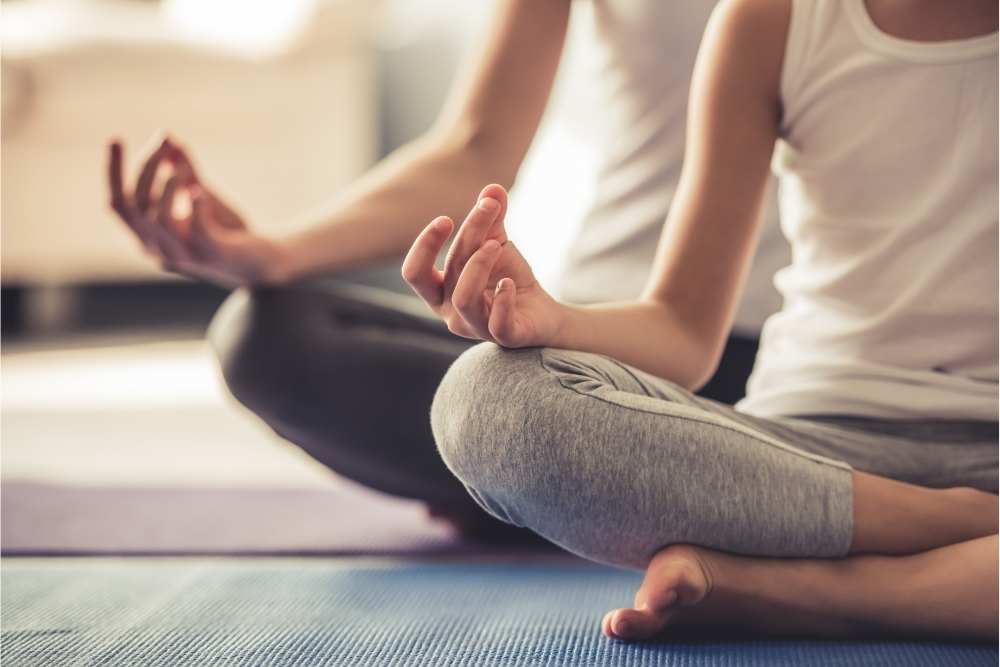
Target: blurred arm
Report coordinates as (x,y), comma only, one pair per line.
(481,136)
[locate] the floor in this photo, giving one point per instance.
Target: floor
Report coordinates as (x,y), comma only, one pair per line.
(121,454)
(132,446)
(372,612)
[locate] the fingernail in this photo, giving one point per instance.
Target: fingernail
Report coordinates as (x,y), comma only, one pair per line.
(491,246)
(488,204)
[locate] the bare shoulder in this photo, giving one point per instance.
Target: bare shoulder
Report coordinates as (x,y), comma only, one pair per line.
(761,18)
(746,39)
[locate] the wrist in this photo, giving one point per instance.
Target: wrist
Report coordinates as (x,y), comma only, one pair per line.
(278,267)
(564,316)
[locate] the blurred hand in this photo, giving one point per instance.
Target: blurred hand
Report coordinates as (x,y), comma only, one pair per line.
(209,241)
(486,290)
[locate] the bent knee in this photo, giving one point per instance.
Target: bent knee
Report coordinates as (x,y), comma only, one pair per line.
(486,414)
(250,336)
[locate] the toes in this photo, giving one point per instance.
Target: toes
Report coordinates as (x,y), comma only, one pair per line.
(632,624)
(661,589)
(675,579)
(671,581)
(606,625)
(658,599)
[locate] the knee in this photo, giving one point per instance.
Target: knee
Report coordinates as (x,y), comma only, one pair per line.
(249,335)
(463,409)
(522,430)
(487,418)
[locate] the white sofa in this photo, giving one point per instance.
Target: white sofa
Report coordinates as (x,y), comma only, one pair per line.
(279,106)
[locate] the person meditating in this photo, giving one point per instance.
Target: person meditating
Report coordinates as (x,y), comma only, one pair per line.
(853,491)
(813,506)
(348,372)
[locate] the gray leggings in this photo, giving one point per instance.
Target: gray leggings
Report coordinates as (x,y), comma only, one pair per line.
(348,374)
(613,463)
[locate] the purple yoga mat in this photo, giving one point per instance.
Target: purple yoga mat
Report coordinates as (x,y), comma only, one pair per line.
(341,519)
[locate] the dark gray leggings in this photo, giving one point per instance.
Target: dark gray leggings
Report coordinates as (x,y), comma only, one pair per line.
(348,374)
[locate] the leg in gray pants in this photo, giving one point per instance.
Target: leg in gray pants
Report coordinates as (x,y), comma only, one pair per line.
(614,464)
(347,372)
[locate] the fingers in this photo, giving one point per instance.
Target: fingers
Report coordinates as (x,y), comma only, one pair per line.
(474,230)
(121,202)
(147,175)
(201,238)
(494,191)
(165,207)
(470,237)
(181,161)
(152,221)
(469,299)
(418,267)
(168,237)
(116,182)
(501,323)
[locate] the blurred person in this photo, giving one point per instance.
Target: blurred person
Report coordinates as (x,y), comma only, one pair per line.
(349,375)
(852,492)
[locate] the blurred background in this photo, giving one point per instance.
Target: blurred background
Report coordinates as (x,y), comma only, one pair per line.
(116,434)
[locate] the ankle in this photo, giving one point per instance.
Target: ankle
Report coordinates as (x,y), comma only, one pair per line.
(978,506)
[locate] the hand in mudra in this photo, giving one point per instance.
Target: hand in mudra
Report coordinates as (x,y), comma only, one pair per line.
(486,289)
(208,240)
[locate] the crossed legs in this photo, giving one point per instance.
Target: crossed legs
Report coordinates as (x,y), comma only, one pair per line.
(734,519)
(342,373)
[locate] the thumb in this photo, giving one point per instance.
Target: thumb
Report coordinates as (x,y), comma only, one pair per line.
(181,161)
(203,240)
(502,324)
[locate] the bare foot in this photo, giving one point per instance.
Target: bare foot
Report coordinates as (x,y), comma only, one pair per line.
(678,578)
(948,593)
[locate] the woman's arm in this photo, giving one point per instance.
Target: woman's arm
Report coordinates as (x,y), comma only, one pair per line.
(678,328)
(481,135)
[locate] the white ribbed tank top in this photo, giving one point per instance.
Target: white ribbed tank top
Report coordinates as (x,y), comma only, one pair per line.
(888,195)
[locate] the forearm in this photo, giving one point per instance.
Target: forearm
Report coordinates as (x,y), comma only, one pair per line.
(379,216)
(644,334)
(481,137)
(678,330)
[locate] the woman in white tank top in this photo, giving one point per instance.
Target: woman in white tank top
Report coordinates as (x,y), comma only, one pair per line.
(885,116)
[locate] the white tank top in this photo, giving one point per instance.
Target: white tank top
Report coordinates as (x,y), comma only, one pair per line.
(888,195)
(641,53)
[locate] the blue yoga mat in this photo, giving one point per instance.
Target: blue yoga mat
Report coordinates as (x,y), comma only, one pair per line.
(327,612)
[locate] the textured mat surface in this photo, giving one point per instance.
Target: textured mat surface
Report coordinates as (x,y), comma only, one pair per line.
(327,612)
